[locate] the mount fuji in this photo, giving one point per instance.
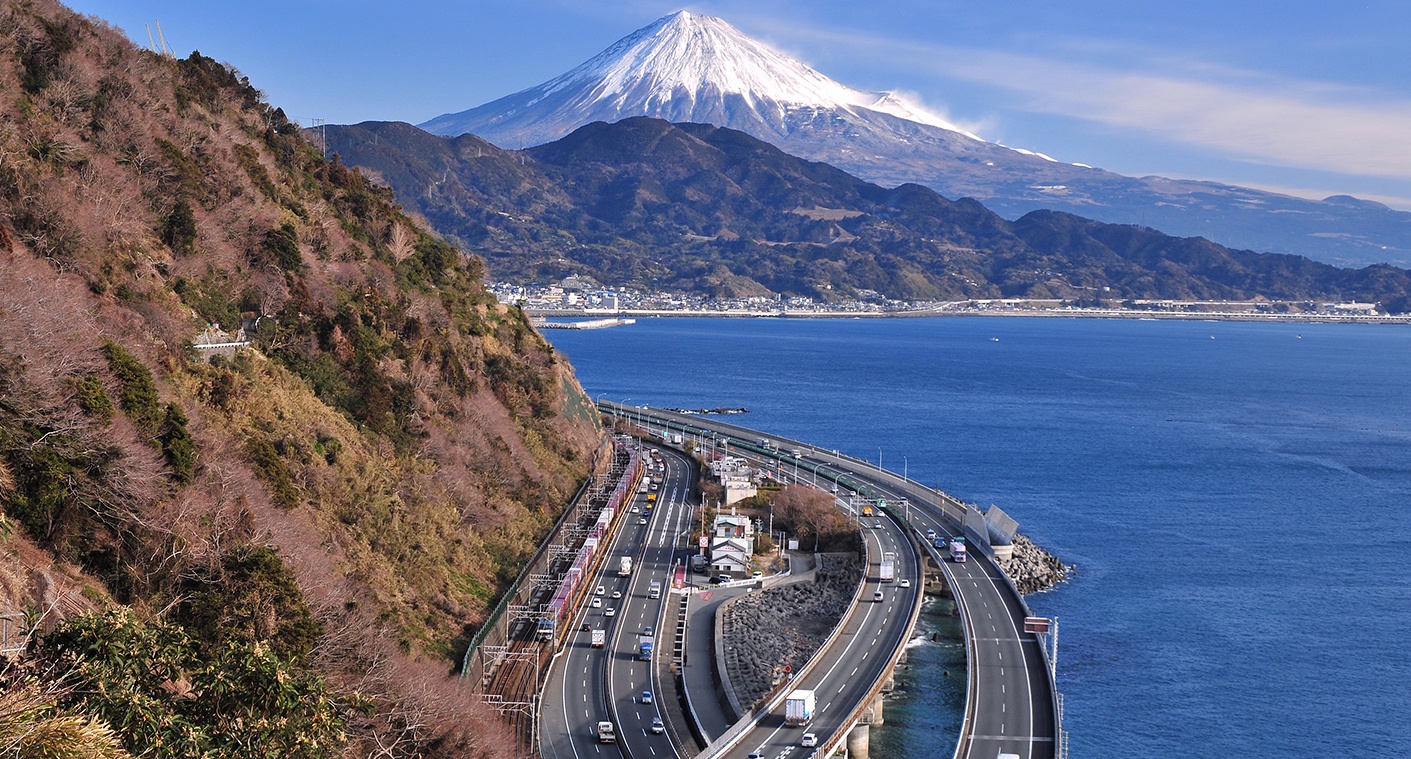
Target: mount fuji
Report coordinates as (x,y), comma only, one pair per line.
(687,67)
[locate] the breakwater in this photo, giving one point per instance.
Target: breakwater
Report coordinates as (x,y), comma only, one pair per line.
(1033,569)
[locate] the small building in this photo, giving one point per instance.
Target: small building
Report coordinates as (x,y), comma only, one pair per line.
(732,545)
(214,341)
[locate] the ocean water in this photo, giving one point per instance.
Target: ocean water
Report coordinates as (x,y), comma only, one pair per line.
(1237,498)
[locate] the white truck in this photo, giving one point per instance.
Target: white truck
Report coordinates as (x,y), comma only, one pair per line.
(606,733)
(599,638)
(654,590)
(798,708)
(624,566)
(889,567)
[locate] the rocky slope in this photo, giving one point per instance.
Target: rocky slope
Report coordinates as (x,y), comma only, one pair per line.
(346,496)
(693,207)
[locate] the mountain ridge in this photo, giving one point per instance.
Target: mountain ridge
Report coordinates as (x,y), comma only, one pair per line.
(895,142)
(715,211)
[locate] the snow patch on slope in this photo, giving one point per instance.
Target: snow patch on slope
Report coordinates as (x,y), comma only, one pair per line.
(687,55)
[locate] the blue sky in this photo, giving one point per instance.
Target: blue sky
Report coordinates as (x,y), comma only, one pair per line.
(1307,97)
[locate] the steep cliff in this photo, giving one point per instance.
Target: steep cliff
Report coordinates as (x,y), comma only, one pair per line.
(349,492)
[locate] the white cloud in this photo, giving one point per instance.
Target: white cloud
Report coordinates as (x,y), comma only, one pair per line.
(1245,115)
(1263,119)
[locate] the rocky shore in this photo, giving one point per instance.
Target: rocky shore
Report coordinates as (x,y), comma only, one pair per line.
(778,627)
(1032,568)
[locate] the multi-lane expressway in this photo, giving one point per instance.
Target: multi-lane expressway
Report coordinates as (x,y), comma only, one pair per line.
(587,685)
(1010,705)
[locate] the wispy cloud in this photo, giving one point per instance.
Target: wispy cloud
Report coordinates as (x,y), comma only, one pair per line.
(1246,115)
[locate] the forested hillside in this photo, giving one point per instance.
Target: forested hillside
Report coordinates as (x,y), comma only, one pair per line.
(278,550)
(698,208)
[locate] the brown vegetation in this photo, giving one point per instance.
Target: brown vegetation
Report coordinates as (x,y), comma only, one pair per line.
(384,460)
(810,515)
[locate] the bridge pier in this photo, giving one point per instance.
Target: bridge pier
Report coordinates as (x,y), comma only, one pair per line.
(876,711)
(858,739)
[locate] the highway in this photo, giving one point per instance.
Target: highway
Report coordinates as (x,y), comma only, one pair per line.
(1010,704)
(856,660)
(586,685)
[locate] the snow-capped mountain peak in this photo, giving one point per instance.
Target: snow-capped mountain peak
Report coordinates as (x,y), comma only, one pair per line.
(682,67)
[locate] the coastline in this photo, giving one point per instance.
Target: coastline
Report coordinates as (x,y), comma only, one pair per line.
(1031,313)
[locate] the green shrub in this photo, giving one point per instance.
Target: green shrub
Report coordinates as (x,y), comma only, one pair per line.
(179,229)
(139,392)
(281,247)
(249,598)
(272,469)
(92,398)
(165,697)
(177,444)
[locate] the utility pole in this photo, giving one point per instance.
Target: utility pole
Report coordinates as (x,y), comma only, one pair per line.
(322,126)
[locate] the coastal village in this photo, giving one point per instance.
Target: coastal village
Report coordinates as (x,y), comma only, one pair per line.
(582,297)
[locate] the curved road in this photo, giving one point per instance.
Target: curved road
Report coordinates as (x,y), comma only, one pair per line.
(1011,700)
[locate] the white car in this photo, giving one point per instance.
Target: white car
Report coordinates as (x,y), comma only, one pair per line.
(641,521)
(600,591)
(657,727)
(903,582)
(611,612)
(617,594)
(597,603)
(809,740)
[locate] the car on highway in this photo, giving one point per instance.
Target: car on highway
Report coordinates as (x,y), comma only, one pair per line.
(597,603)
(810,740)
(642,521)
(646,697)
(635,509)
(658,727)
(648,630)
(877,595)
(903,582)
(617,594)
(835,487)
(586,627)
(600,591)
(611,612)
(878,525)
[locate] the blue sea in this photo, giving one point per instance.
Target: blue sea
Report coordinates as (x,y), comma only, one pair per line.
(1236,496)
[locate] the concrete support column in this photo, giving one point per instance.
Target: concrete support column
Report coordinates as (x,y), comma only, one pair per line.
(858,739)
(877,710)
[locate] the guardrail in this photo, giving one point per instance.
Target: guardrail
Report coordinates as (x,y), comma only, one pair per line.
(876,690)
(949,508)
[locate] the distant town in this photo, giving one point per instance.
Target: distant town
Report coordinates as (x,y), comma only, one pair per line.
(586,299)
